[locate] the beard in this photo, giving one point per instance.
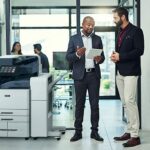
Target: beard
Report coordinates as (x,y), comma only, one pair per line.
(35,52)
(88,32)
(119,23)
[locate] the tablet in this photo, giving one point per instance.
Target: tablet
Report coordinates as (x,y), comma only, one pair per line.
(93,52)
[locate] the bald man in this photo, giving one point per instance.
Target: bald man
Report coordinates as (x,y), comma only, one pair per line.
(86,75)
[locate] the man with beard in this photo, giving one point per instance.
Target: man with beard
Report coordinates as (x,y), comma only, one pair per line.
(129,48)
(86,75)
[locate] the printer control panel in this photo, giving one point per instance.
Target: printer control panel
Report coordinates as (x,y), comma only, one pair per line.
(7,70)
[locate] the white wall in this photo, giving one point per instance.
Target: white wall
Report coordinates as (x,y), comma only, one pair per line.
(2,20)
(145,79)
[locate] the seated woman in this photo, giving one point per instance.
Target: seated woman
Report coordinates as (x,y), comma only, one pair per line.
(16,49)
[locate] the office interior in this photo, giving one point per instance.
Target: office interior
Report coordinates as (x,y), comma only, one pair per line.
(51,23)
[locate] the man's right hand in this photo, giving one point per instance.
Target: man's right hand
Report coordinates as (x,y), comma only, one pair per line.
(81,51)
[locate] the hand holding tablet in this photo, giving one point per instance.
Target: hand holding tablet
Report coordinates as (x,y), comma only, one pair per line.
(93,52)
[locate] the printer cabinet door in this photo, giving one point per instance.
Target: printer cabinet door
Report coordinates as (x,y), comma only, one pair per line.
(14,99)
(18,129)
(3,129)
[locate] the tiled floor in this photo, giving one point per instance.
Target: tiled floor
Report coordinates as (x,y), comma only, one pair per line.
(110,125)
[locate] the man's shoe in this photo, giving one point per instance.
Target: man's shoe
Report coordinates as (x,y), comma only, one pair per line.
(76,137)
(96,136)
(124,137)
(132,142)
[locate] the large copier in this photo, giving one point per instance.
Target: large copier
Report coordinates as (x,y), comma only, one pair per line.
(25,98)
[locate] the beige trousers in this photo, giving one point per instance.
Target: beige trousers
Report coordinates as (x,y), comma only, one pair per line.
(127,87)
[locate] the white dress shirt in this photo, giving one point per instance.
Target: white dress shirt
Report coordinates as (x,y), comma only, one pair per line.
(87,41)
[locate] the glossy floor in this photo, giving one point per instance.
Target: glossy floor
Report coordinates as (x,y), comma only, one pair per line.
(111,124)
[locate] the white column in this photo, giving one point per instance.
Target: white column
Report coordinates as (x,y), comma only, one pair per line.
(145,79)
(3,28)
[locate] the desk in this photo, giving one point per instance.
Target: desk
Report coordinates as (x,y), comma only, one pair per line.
(65,82)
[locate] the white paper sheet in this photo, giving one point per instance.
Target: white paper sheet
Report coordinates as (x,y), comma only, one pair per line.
(93,52)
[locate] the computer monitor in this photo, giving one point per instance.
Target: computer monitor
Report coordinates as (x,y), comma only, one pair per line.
(59,61)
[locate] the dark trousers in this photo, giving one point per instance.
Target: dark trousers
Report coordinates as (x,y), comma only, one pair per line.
(91,84)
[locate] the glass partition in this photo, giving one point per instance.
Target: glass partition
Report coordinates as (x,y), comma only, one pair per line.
(45,26)
(41,18)
(107,68)
(50,39)
(102,17)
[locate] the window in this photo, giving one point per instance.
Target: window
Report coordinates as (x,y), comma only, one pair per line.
(45,26)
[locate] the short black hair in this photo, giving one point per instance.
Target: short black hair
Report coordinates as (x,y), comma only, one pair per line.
(122,11)
(37,46)
(88,17)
